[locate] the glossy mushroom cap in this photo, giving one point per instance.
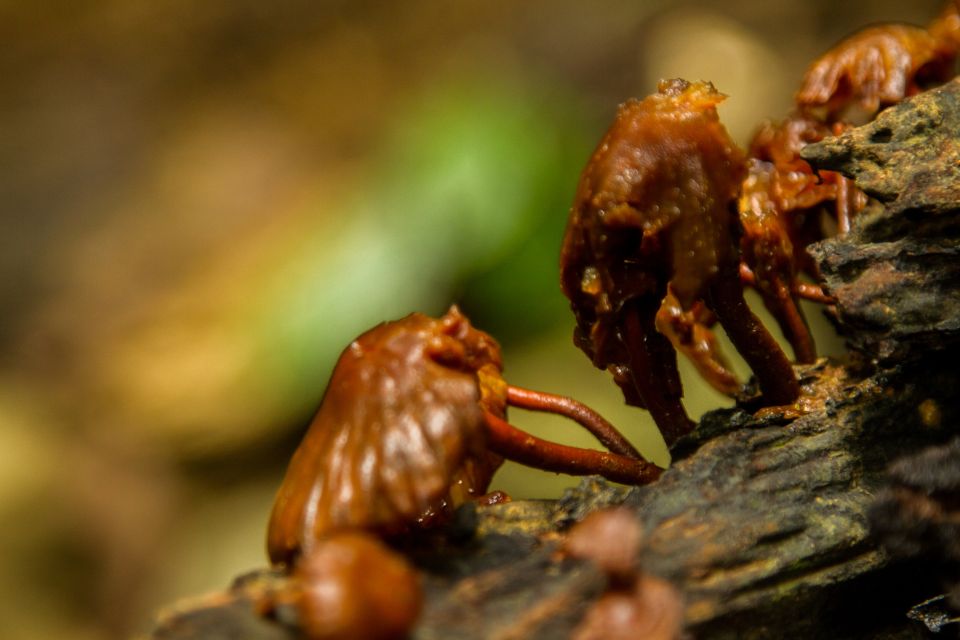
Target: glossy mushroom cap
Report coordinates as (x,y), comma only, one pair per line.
(399,436)
(635,605)
(611,538)
(875,67)
(653,205)
(352,587)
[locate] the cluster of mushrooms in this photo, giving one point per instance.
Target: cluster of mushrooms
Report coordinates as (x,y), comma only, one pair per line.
(670,221)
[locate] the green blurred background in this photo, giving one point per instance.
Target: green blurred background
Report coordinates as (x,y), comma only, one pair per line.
(204,202)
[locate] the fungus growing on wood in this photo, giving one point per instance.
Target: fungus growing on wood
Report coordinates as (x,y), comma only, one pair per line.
(635,604)
(874,68)
(655,212)
(353,587)
(782,195)
(413,424)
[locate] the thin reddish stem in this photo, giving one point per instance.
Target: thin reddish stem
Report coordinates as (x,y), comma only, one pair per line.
(812,292)
(843,206)
(752,340)
(512,443)
(804,290)
(580,413)
(784,308)
(653,369)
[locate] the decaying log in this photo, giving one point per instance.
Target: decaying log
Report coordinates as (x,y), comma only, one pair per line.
(763,520)
(897,275)
(917,516)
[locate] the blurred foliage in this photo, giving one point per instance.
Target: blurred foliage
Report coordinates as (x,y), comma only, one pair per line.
(469,175)
(204,203)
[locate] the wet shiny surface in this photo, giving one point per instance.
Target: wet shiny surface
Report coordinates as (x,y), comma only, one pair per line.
(873,68)
(401,423)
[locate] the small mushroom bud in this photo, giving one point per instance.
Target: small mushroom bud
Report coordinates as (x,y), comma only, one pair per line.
(352,587)
(610,538)
(635,605)
(652,610)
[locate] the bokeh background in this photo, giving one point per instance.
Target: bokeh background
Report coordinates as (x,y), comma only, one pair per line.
(202,203)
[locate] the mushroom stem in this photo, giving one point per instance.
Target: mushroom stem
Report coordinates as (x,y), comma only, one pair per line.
(782,305)
(805,290)
(653,367)
(580,413)
(752,340)
(512,443)
(845,205)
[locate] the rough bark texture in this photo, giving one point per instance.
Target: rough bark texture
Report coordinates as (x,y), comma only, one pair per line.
(897,275)
(764,520)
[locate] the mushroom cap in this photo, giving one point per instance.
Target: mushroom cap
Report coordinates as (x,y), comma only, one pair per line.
(399,436)
(635,604)
(875,67)
(652,610)
(611,538)
(653,206)
(353,587)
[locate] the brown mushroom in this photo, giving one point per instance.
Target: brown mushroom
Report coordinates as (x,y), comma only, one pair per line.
(610,538)
(353,587)
(413,424)
(399,434)
(655,208)
(635,604)
(652,610)
(874,68)
(796,190)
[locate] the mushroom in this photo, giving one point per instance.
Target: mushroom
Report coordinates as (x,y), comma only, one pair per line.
(634,604)
(353,587)
(877,67)
(413,423)
(655,212)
